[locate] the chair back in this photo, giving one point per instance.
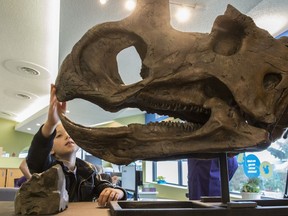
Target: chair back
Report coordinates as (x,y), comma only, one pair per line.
(8,193)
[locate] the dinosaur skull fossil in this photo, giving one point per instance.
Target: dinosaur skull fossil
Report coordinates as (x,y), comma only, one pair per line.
(229,86)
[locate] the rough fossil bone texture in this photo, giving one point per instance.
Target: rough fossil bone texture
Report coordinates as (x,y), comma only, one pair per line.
(43,194)
(229,86)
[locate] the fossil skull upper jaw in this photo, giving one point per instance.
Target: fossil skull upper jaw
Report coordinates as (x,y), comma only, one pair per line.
(230,85)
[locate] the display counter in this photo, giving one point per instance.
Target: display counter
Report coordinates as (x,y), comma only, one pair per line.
(173,208)
(74,209)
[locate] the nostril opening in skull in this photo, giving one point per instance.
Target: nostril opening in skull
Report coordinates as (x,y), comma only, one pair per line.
(227,36)
(271,80)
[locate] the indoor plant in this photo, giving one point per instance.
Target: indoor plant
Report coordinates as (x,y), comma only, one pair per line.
(251,189)
(161,180)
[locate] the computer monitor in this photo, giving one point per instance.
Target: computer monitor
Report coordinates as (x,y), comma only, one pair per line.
(94,160)
(131,179)
(128,177)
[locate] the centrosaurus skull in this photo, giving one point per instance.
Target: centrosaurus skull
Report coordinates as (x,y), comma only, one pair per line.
(229,86)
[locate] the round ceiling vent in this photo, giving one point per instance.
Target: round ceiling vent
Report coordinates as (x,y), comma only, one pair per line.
(20,94)
(29,71)
(26,69)
(7,114)
(23,96)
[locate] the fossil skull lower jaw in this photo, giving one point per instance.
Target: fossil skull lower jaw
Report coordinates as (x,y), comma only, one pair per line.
(225,129)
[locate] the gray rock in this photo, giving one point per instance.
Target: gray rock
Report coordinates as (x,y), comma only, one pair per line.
(44,193)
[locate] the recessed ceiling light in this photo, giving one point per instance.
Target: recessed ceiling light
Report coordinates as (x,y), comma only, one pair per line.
(29,129)
(183,14)
(38,124)
(103,2)
(130,5)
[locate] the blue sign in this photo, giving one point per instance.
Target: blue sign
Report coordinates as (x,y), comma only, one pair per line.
(154,118)
(266,169)
(251,166)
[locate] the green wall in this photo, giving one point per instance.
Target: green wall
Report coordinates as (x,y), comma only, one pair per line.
(131,119)
(11,140)
(171,192)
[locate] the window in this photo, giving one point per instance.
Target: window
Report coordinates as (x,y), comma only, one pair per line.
(270,166)
(168,169)
(271,169)
(174,171)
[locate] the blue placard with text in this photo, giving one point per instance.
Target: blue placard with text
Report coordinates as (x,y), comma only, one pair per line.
(251,166)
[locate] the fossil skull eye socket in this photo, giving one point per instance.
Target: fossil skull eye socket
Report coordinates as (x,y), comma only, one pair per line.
(227,36)
(129,72)
(271,80)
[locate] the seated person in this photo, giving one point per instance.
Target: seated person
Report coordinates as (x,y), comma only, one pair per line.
(26,174)
(52,145)
(204,176)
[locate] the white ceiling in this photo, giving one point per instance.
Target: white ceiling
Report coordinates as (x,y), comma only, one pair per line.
(40,33)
